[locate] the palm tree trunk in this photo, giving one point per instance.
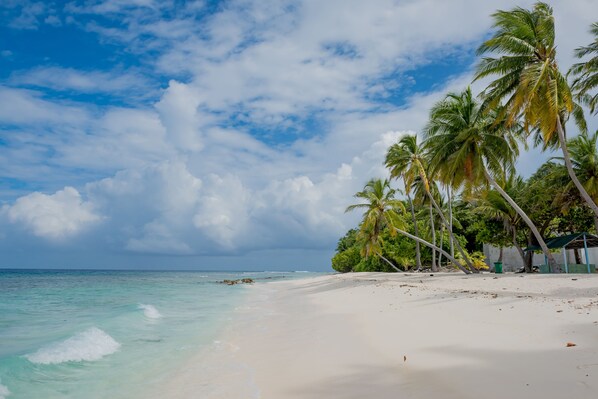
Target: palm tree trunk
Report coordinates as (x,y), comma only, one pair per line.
(418,258)
(519,249)
(441,242)
(427,244)
(529,256)
(582,190)
(389,262)
(450,208)
(527,220)
(433,238)
(444,221)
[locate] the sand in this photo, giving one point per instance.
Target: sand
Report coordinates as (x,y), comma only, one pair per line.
(419,336)
(374,335)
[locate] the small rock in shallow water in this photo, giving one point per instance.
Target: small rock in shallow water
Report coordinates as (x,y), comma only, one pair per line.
(233,282)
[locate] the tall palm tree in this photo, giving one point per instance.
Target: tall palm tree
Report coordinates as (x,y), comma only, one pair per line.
(468,144)
(406,155)
(409,176)
(530,84)
(421,198)
(380,211)
(586,73)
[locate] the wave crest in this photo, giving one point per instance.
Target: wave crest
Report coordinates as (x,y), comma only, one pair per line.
(150,311)
(89,345)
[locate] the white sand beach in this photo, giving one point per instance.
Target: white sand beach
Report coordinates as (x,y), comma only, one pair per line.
(374,335)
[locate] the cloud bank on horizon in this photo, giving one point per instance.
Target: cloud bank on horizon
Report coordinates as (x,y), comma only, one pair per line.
(219,128)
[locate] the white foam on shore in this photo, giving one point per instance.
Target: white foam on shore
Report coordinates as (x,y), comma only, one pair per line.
(150,311)
(4,392)
(89,345)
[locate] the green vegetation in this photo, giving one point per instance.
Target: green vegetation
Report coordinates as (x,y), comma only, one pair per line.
(460,184)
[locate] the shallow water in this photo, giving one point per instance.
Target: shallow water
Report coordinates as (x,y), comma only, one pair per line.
(99,334)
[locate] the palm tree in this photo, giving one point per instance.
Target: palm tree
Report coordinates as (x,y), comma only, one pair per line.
(467,144)
(421,198)
(530,84)
(407,156)
(409,176)
(586,73)
(380,211)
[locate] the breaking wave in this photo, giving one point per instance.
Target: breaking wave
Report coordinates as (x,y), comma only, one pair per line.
(150,311)
(89,345)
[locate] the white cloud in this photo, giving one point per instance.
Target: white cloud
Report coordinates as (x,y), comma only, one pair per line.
(178,113)
(24,107)
(30,12)
(53,20)
(63,79)
(57,216)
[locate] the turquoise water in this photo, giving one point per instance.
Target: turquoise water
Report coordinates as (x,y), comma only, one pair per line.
(107,334)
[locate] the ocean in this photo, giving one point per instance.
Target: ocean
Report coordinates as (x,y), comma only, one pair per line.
(109,334)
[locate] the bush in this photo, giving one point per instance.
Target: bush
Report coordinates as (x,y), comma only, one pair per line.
(476,258)
(347,260)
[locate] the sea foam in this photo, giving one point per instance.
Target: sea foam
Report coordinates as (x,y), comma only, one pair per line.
(4,392)
(89,345)
(150,311)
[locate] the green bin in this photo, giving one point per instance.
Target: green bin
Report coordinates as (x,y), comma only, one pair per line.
(497,267)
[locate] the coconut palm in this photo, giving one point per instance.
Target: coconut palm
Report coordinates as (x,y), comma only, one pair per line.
(406,155)
(382,210)
(409,176)
(586,73)
(530,84)
(471,147)
(422,200)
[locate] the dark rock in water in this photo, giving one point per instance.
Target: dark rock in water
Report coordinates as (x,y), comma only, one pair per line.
(241,281)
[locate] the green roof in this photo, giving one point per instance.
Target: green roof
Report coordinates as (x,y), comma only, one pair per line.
(570,241)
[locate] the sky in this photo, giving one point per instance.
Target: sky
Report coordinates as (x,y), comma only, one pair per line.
(219,135)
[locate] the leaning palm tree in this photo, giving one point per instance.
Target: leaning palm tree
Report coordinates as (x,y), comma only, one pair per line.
(530,84)
(406,155)
(586,73)
(468,144)
(382,210)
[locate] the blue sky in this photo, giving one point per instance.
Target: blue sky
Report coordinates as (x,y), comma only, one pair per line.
(217,134)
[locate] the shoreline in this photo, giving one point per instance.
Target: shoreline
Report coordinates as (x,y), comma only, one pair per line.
(411,336)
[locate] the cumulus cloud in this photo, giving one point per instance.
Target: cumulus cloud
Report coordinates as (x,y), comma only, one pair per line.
(55,217)
(178,113)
